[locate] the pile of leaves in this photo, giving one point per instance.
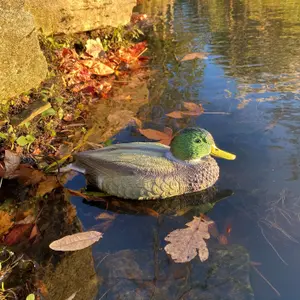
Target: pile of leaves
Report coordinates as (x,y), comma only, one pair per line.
(78,78)
(87,72)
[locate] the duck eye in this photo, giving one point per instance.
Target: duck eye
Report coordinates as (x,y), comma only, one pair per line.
(197,141)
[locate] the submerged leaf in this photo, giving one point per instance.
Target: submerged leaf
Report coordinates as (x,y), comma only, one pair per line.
(186,243)
(195,55)
(76,241)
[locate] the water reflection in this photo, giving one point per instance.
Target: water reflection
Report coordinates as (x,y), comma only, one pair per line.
(253,74)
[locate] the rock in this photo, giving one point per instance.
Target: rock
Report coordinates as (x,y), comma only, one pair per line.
(142,274)
(22,65)
(60,16)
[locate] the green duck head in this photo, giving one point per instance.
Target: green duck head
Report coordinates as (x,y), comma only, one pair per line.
(195,143)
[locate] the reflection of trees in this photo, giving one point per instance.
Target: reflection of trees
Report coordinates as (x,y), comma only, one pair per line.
(255,36)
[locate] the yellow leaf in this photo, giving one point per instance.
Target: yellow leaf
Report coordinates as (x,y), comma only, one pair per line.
(5,222)
(47,186)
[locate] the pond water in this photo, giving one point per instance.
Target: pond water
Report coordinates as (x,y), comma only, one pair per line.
(252,80)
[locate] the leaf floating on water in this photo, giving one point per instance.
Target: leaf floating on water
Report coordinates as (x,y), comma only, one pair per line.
(105,216)
(195,55)
(193,109)
(163,137)
(175,115)
(186,243)
(76,241)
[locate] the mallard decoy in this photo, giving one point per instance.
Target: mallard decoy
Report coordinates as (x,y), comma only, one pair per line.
(147,170)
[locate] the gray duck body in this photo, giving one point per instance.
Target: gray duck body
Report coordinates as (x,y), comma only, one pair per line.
(145,171)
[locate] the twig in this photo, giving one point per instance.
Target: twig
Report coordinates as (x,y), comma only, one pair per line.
(263,234)
(266,280)
(104,294)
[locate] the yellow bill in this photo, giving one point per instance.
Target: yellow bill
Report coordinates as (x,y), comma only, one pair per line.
(215,151)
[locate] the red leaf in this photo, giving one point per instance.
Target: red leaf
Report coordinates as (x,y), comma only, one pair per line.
(16,234)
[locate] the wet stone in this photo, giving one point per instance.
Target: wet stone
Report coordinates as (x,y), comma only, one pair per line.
(143,274)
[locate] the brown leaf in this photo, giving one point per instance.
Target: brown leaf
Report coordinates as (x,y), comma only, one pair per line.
(105,216)
(154,134)
(27,220)
(101,69)
(175,115)
(5,222)
(34,232)
(10,163)
(86,196)
(29,176)
(16,234)
(71,213)
(195,55)
(186,243)
(76,241)
(47,186)
(193,107)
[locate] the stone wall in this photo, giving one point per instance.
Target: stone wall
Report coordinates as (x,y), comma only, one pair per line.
(22,63)
(69,16)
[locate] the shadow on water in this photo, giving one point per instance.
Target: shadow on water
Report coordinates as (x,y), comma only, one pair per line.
(249,88)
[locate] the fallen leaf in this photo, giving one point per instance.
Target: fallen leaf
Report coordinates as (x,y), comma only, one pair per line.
(98,68)
(76,241)
(34,232)
(175,115)
(28,220)
(132,53)
(30,297)
(94,47)
(186,243)
(163,137)
(193,109)
(47,186)
(223,239)
(93,196)
(105,216)
(10,163)
(195,55)
(29,176)
(16,234)
(5,222)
